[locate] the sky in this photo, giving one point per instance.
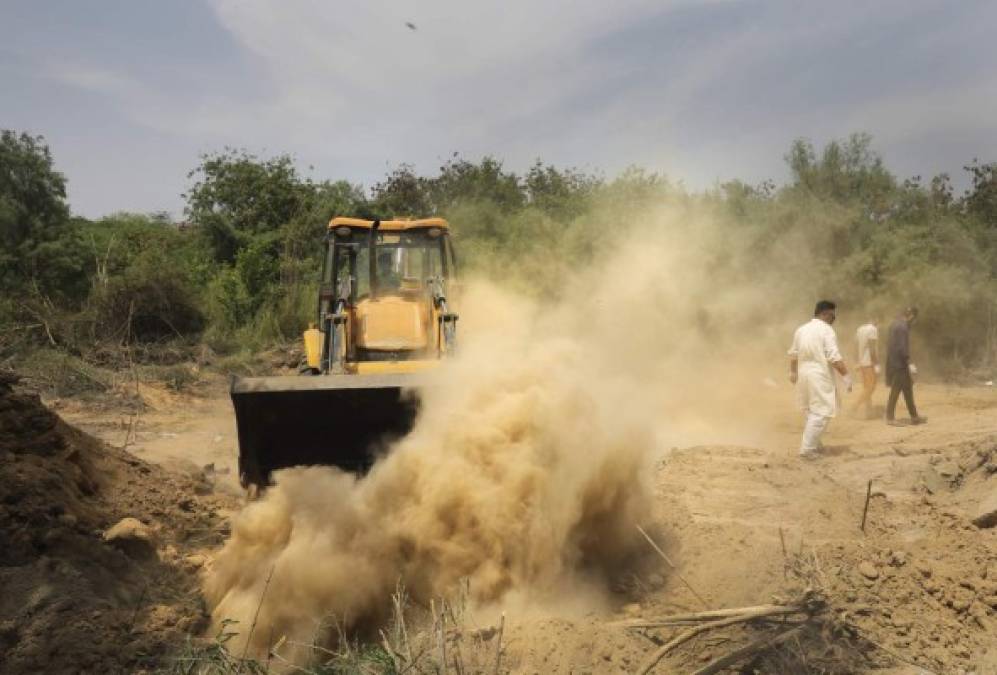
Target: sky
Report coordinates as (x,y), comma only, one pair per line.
(130,93)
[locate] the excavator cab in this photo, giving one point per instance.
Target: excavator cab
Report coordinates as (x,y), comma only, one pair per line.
(384,316)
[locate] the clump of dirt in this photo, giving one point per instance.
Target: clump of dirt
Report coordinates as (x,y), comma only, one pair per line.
(73,601)
(962,478)
(935,610)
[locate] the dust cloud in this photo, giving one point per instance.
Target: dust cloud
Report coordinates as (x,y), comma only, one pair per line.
(531,459)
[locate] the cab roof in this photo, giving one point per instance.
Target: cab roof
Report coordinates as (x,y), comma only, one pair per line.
(390,225)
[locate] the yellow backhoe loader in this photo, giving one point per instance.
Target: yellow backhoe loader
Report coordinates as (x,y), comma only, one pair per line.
(384,316)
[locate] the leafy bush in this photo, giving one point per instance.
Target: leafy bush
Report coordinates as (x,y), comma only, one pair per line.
(245,273)
(146,303)
(143,280)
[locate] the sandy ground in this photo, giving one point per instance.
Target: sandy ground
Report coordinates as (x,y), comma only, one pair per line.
(184,432)
(734,510)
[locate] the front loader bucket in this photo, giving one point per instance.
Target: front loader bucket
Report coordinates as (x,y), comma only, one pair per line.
(338,420)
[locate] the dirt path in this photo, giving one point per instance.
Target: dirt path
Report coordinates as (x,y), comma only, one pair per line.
(183,432)
(733,515)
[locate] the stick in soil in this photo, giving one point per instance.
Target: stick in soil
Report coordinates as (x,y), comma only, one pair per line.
(696,630)
(498,646)
(671,564)
(785,558)
(128,432)
(443,637)
(441,626)
(256,616)
(865,509)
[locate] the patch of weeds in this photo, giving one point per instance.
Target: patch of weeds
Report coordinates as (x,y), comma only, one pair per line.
(212,657)
(61,374)
(180,377)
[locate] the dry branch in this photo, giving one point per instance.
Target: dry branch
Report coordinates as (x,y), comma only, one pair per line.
(389,651)
(742,653)
(696,630)
(256,616)
(713,614)
(498,647)
(671,564)
(398,601)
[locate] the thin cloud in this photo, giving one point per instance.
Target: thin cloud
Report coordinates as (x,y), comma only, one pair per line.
(703,91)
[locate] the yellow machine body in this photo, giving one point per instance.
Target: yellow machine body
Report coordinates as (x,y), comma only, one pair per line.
(384,316)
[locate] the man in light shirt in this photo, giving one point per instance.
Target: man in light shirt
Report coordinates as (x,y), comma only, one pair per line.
(813,359)
(867,338)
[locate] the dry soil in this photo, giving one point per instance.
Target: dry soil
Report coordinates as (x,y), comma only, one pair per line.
(744,523)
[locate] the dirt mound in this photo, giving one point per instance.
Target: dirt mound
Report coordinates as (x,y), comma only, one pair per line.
(915,591)
(73,601)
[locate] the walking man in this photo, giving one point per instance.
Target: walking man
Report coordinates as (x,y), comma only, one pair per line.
(899,369)
(867,338)
(813,358)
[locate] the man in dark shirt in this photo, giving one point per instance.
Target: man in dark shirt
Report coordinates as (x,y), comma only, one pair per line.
(899,369)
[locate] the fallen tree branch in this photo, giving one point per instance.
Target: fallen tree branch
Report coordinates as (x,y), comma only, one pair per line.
(696,630)
(14,329)
(742,653)
(759,610)
(41,319)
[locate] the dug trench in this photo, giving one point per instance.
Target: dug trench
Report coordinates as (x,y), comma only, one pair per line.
(744,525)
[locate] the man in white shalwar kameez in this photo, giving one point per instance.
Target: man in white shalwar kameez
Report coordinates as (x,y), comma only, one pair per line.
(814,357)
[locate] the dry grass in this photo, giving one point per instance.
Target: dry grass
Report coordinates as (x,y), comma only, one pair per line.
(430,640)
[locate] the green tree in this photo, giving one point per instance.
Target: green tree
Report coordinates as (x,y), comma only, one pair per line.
(303,234)
(557,192)
(461,182)
(40,245)
(847,170)
(236,196)
(402,194)
(981,198)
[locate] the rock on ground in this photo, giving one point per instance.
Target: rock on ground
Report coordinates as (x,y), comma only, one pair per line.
(133,537)
(986,513)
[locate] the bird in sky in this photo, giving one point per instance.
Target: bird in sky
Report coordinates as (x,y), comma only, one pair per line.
(410,25)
